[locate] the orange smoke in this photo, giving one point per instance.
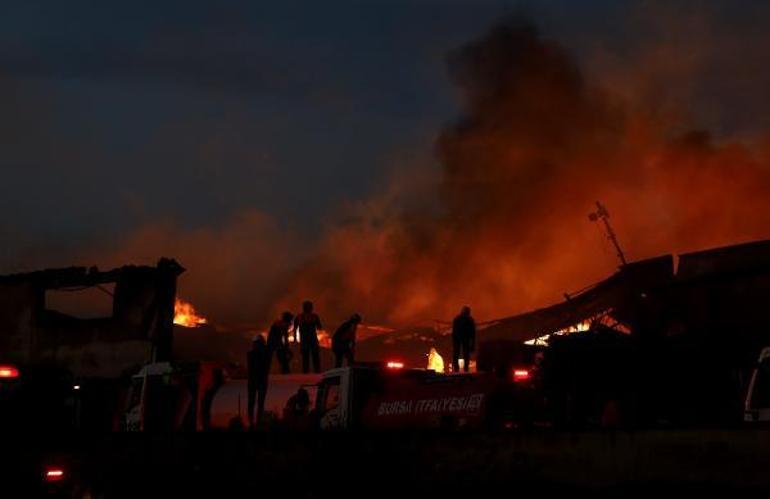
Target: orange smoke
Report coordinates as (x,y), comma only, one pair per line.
(501,224)
(537,143)
(186,315)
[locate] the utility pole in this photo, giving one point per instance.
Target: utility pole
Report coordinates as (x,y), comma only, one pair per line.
(602,214)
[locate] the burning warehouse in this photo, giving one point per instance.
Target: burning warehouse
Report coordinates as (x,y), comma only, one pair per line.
(717,293)
(680,341)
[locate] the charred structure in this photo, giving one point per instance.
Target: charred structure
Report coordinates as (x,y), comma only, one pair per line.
(652,343)
(136,330)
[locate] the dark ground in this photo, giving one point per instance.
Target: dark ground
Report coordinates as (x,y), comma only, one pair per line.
(387,464)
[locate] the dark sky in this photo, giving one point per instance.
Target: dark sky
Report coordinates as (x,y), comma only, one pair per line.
(116,114)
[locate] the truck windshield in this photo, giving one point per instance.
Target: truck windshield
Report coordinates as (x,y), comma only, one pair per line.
(331,394)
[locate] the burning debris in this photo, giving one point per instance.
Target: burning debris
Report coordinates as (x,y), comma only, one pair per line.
(435,361)
(717,293)
(186,315)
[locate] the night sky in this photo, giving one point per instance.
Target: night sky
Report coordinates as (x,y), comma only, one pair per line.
(114,116)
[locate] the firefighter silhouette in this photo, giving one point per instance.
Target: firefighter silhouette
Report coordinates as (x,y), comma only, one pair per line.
(344,341)
(463,339)
(306,327)
(278,342)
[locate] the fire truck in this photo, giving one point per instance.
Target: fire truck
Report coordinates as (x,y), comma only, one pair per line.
(395,398)
(369,396)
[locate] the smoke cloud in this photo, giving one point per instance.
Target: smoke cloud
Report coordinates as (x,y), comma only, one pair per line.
(537,143)
(503,225)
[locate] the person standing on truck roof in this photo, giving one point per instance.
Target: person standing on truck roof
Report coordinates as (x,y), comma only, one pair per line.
(463,339)
(344,341)
(258,364)
(306,327)
(278,342)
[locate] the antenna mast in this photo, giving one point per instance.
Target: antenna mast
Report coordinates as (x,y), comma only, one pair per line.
(601,214)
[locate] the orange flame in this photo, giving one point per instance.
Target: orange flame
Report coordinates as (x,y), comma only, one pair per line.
(435,361)
(186,315)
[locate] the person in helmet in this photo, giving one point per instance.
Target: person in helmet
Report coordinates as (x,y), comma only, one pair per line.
(257,361)
(463,339)
(278,342)
(344,341)
(306,327)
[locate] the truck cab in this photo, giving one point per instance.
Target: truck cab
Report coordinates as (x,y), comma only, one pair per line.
(333,399)
(384,397)
(342,394)
(163,396)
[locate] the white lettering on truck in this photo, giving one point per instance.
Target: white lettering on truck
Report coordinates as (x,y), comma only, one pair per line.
(427,406)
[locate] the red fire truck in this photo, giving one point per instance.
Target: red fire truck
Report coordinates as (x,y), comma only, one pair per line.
(364,396)
(390,398)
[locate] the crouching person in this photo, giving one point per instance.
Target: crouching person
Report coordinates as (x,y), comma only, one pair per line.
(344,341)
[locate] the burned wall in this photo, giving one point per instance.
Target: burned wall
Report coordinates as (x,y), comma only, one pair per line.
(138,328)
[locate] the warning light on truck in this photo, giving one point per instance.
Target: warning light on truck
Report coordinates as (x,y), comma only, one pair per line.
(54,475)
(9,372)
(394,364)
(520,375)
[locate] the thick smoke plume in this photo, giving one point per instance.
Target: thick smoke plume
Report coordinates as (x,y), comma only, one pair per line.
(536,145)
(503,228)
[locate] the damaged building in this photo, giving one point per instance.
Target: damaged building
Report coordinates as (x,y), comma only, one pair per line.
(92,323)
(665,339)
(718,293)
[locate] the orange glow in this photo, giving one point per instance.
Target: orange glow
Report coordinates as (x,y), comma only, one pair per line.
(580,327)
(9,372)
(324,341)
(435,361)
(54,474)
(498,220)
(520,375)
(186,315)
(393,364)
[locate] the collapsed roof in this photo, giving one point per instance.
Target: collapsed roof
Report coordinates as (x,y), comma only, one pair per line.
(709,290)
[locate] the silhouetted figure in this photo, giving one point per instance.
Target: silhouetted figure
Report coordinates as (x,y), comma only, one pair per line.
(306,327)
(298,404)
(344,341)
(258,364)
(278,342)
(296,414)
(463,339)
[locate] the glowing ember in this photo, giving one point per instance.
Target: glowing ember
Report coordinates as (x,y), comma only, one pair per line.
(577,328)
(186,315)
(580,327)
(435,361)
